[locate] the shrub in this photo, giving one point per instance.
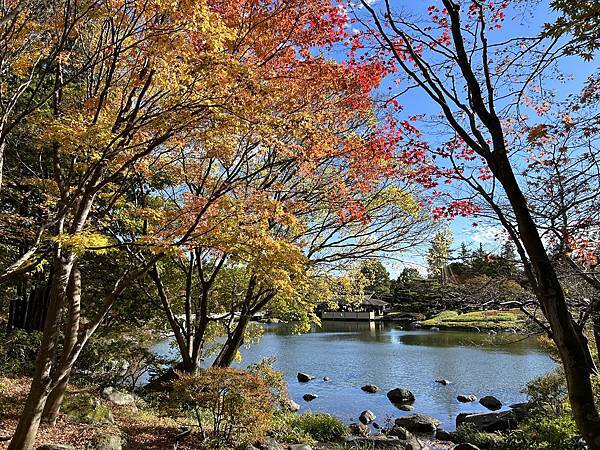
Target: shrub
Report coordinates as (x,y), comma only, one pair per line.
(283,429)
(548,394)
(469,433)
(230,405)
(273,378)
(116,360)
(321,427)
(18,350)
(545,433)
(307,428)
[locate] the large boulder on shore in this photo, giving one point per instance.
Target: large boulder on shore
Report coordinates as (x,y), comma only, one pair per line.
(418,423)
(399,395)
(359,429)
(304,377)
(87,408)
(118,397)
(491,402)
(443,435)
(490,422)
(367,417)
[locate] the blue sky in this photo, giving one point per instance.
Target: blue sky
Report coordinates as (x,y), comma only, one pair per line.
(576,71)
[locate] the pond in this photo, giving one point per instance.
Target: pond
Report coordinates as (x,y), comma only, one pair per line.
(353,354)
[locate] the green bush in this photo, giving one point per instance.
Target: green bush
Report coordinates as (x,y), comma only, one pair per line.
(18,350)
(307,428)
(321,427)
(545,433)
(468,433)
(283,429)
(548,394)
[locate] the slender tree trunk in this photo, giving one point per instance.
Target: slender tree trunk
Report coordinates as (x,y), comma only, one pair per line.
(596,328)
(184,350)
(2,147)
(71,330)
(25,434)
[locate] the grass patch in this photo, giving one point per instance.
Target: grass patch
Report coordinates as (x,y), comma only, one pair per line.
(485,320)
(307,428)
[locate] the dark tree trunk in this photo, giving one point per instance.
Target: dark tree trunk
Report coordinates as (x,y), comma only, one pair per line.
(233,344)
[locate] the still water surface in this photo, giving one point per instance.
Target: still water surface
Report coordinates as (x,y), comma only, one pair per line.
(353,354)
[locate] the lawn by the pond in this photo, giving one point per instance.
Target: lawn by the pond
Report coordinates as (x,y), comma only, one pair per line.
(484,320)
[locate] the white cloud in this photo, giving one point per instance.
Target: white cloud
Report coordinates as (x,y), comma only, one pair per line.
(487,235)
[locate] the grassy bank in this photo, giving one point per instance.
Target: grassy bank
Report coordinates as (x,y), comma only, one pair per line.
(484,320)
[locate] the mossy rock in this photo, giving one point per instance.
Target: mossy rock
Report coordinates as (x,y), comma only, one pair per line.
(87,408)
(108,441)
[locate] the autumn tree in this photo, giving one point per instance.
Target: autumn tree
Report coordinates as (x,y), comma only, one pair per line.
(137,81)
(480,87)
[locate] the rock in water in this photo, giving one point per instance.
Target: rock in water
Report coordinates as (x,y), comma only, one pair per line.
(466,398)
(405,407)
(418,423)
(309,397)
(443,382)
(370,388)
(304,377)
(326,379)
(400,396)
(366,417)
(491,402)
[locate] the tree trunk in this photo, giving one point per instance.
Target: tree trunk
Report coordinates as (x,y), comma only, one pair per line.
(596,328)
(71,330)
(180,339)
(25,434)
(2,146)
(233,343)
